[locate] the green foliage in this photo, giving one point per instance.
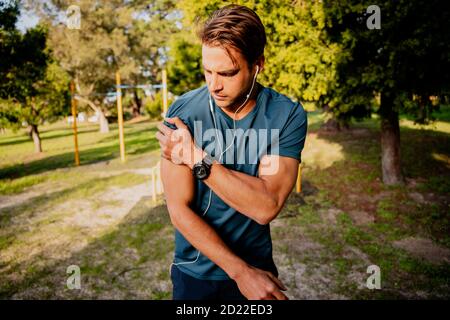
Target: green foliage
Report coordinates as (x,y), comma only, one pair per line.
(406,59)
(33,88)
(300,61)
(8,15)
(322,51)
(24,61)
(184,67)
(118,35)
(47,100)
(154,105)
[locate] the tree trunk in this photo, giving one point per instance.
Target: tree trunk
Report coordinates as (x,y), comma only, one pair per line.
(390,142)
(137,103)
(104,125)
(34,134)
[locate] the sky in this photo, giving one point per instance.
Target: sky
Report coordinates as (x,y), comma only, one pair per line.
(26,20)
(29,19)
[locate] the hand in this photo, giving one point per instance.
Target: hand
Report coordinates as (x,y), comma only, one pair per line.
(178,145)
(257,284)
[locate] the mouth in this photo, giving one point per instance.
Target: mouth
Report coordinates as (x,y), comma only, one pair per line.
(219,97)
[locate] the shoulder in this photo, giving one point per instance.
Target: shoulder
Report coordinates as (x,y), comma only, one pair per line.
(281,105)
(188,100)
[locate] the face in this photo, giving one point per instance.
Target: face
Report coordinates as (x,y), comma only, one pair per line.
(228,82)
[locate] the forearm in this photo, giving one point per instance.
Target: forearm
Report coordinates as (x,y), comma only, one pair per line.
(247,194)
(205,239)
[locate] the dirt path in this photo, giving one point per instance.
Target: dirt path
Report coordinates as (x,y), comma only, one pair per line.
(56,232)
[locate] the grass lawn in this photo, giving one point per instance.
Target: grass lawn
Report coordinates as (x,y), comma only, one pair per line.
(100,216)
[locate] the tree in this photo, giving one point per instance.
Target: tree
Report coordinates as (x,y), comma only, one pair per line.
(184,67)
(323,51)
(115,35)
(33,89)
(46,102)
(401,67)
(148,43)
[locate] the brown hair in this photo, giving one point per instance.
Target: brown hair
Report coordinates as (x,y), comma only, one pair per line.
(236,26)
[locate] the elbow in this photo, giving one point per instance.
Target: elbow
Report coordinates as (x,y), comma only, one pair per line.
(264,221)
(268,213)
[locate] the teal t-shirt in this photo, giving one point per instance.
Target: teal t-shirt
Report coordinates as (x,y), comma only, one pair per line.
(275,125)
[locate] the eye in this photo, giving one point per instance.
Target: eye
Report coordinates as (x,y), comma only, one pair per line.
(229,74)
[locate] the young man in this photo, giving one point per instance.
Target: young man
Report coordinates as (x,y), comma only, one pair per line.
(230,152)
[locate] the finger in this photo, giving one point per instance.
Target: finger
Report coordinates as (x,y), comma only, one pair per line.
(277,281)
(279,295)
(161,138)
(164,129)
(177,121)
(269,297)
(165,154)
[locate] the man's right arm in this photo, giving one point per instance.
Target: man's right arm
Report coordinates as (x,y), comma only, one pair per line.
(179,189)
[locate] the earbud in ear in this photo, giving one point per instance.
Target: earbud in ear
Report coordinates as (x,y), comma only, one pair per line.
(254,80)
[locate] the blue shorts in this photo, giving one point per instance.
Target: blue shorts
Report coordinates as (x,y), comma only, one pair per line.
(186,287)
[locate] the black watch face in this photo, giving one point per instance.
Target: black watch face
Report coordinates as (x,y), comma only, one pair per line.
(200,171)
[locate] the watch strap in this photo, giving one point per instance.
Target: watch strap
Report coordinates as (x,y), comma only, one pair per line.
(208,160)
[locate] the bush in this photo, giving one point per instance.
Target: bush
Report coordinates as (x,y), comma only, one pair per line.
(153,106)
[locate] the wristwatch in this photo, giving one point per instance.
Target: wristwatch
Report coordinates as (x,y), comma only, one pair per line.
(202,169)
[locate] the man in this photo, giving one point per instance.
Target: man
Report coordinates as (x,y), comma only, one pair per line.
(223,187)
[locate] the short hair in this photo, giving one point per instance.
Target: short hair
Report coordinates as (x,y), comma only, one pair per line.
(236,26)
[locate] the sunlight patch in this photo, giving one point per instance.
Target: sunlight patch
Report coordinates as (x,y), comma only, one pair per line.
(320,153)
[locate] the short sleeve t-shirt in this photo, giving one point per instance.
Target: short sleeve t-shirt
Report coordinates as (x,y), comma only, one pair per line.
(276,126)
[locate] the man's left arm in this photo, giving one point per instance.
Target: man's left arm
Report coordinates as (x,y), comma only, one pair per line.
(260,198)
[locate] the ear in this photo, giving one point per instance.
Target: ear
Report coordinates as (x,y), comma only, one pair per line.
(260,63)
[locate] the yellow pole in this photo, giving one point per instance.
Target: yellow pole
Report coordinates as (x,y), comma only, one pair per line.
(299,179)
(74,124)
(164,80)
(120,117)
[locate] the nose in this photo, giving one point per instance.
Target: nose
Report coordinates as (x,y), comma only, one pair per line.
(216,83)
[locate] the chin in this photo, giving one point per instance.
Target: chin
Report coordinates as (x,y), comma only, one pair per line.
(222,103)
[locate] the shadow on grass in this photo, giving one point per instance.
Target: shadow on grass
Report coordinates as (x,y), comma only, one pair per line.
(44,137)
(131,262)
(15,140)
(135,146)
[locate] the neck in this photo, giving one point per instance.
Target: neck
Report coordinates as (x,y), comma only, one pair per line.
(243,109)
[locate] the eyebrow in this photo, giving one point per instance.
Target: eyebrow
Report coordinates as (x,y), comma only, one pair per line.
(230,71)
